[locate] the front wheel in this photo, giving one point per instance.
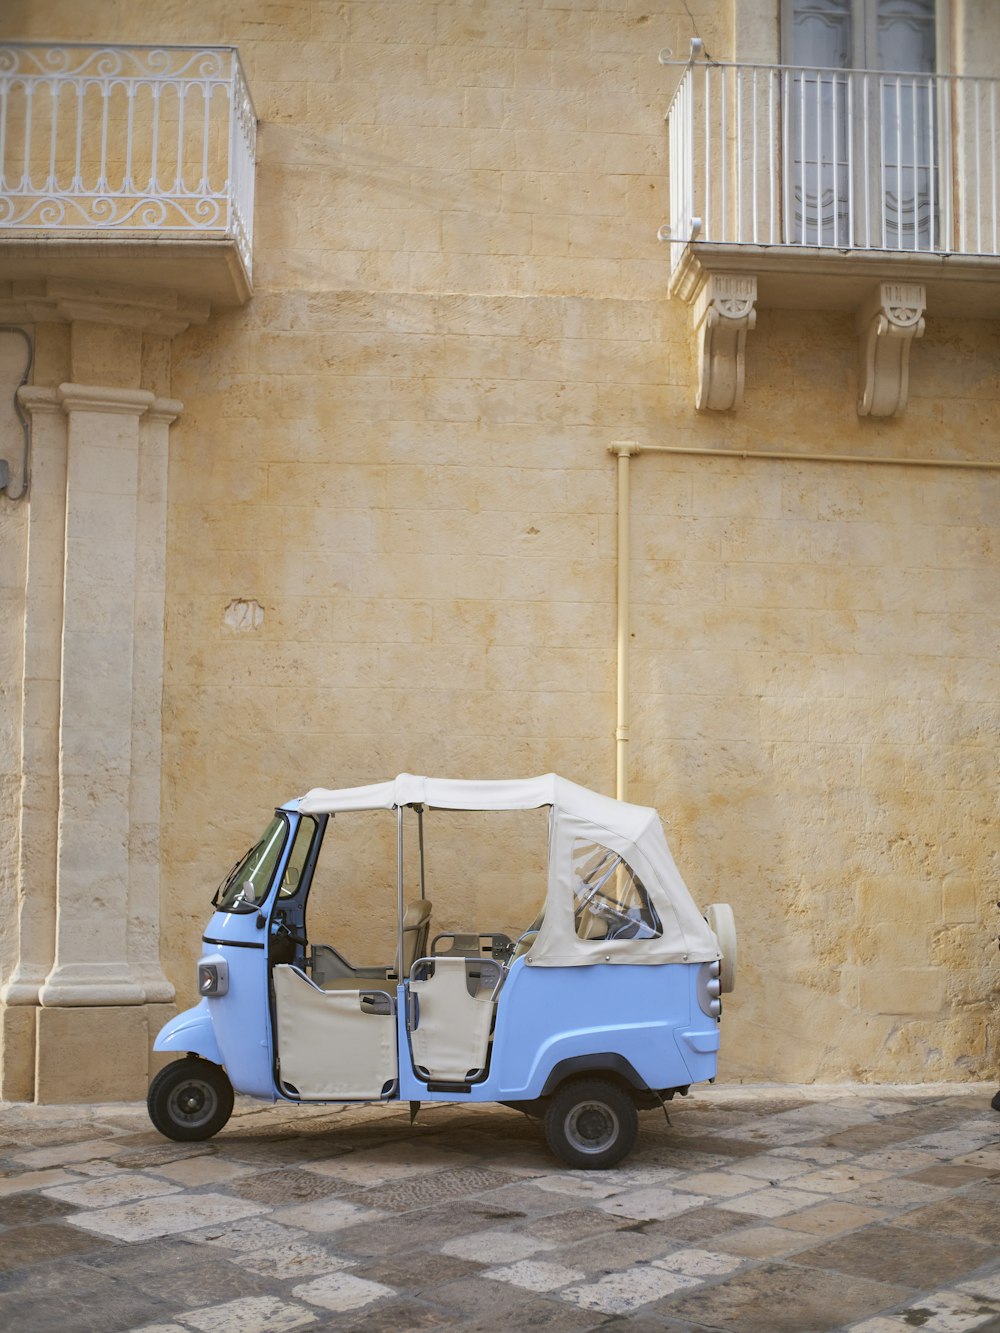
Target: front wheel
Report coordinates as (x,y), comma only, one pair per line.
(591,1123)
(190,1099)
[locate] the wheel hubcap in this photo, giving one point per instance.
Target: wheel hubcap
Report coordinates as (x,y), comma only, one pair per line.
(591,1127)
(192,1103)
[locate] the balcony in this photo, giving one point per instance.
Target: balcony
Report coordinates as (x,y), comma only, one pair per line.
(127,164)
(807,188)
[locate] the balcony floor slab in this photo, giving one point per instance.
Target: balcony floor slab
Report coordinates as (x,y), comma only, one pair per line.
(204,270)
(793,277)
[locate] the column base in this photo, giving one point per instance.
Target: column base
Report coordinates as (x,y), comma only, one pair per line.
(97,1053)
(17,1052)
(102,985)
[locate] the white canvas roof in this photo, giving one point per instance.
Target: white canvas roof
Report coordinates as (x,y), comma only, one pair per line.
(579,815)
(459,794)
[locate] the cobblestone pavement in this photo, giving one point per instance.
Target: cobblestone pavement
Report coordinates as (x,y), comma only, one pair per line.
(870,1209)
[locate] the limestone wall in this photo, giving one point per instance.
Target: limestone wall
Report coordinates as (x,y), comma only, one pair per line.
(391,527)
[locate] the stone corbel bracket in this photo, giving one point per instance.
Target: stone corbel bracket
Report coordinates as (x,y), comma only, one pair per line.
(723,313)
(887,324)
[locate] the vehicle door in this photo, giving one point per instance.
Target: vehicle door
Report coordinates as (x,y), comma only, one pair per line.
(334,1026)
(451,1009)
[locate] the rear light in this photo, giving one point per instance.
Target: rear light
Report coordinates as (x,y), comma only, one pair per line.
(710,989)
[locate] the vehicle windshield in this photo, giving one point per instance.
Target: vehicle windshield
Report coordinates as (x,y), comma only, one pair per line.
(246,885)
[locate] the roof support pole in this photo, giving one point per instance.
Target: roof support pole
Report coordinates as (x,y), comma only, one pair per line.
(420,832)
(399,890)
(623,450)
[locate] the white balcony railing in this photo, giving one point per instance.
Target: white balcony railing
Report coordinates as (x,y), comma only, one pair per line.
(774,155)
(127,141)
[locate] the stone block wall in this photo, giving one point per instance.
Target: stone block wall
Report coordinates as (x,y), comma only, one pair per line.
(391,522)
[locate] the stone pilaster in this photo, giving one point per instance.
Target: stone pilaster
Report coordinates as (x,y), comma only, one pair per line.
(147,691)
(103,590)
(34,916)
(84,992)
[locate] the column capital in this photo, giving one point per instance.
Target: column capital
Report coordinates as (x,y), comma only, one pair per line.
(39,402)
(92,398)
(166,410)
(98,398)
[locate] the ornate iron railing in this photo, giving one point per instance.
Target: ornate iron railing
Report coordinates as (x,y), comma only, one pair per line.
(777,155)
(126,140)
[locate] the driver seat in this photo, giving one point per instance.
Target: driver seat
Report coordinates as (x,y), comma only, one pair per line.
(332,972)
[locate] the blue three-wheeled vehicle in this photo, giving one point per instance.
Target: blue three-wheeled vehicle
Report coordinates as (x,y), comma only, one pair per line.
(608,1001)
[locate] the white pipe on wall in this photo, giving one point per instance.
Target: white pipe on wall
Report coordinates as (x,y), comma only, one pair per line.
(624,449)
(785,457)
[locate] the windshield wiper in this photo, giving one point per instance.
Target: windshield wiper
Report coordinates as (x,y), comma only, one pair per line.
(237,866)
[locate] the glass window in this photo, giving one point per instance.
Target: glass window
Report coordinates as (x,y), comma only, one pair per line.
(863,34)
(292,875)
(246,885)
(862,166)
(610,901)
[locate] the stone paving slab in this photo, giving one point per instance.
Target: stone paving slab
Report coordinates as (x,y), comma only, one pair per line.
(760,1209)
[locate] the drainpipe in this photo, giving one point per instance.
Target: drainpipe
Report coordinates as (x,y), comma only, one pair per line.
(623,450)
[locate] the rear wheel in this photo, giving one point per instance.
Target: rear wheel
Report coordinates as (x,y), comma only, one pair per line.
(591,1123)
(190,1099)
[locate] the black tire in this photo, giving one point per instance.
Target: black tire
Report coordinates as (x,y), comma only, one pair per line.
(995,1103)
(190,1099)
(591,1123)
